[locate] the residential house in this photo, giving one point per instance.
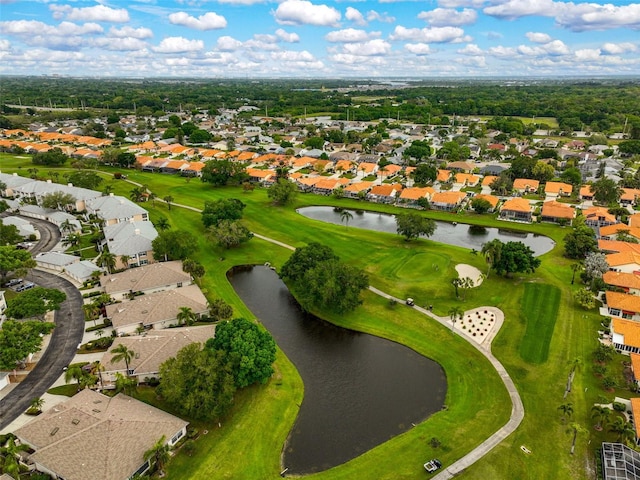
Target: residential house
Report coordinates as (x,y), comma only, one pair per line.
(625,335)
(492,199)
(112,209)
(385,193)
(635,369)
(462,180)
(261,176)
(24,227)
(525,186)
(411,196)
(93,435)
(447,201)
(462,167)
(132,240)
(353,189)
(634,220)
(487,180)
(156,310)
(628,282)
(628,262)
(152,278)
(557,189)
(629,196)
(388,170)
(612,232)
(598,217)
(151,350)
(516,209)
(443,176)
(557,212)
(306,184)
(586,193)
(621,305)
(366,168)
(617,246)
(326,186)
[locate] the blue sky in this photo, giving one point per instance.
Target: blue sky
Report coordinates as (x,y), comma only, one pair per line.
(319,38)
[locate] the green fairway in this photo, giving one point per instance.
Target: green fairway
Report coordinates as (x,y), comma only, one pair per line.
(540,305)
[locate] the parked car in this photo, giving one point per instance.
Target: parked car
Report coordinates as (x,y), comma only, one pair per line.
(12,282)
(25,286)
(432,465)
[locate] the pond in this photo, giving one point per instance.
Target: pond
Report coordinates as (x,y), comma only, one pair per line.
(461,235)
(359,390)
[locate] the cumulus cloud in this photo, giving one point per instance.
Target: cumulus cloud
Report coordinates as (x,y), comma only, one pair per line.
(618,48)
(587,54)
(178,45)
(537,37)
(208,21)
(228,44)
(512,9)
(303,12)
(471,49)
(592,16)
(369,48)
(501,51)
(429,35)
(293,56)
(349,35)
(128,32)
(418,48)
(120,44)
(442,17)
(354,15)
(555,47)
(372,15)
(462,3)
(287,37)
(34,27)
(97,13)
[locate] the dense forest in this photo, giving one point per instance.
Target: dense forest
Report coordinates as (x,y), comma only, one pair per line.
(603,106)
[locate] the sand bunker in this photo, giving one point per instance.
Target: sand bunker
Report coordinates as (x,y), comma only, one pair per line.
(481,324)
(473,273)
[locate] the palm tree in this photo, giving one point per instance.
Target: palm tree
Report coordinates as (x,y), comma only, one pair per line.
(575,268)
(125,260)
(575,428)
(158,454)
(137,194)
(73,373)
(107,260)
(36,404)
(107,189)
(345,216)
(66,226)
(152,197)
(624,430)
(162,224)
(10,454)
(91,312)
(602,413)
(122,353)
(168,199)
(71,240)
(491,252)
(567,410)
(456,282)
(186,316)
(125,384)
(455,313)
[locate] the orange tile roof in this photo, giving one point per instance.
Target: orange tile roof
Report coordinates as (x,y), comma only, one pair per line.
(629,329)
(328,184)
(344,165)
(443,175)
(622,280)
(209,152)
(300,162)
(244,156)
(623,301)
(517,205)
(557,187)
(367,167)
(259,173)
(635,366)
(618,246)
(600,213)
(386,189)
(409,170)
(358,186)
(466,178)
(609,230)
(623,258)
(176,164)
(488,180)
(525,183)
(492,199)
(635,410)
(195,166)
(586,191)
(630,194)
(391,169)
(448,198)
(414,193)
(309,181)
(634,220)
(557,210)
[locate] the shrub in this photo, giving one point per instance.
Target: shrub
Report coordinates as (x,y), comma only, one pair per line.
(619,407)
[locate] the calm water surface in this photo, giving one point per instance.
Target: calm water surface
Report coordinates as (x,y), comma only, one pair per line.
(461,235)
(360,390)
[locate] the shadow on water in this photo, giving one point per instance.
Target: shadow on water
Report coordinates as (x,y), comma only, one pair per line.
(461,235)
(360,390)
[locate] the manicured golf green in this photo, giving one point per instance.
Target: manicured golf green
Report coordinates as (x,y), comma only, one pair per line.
(540,305)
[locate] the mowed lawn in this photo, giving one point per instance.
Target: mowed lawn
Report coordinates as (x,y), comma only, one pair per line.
(540,305)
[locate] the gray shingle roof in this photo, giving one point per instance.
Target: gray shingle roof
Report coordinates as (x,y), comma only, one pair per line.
(130,238)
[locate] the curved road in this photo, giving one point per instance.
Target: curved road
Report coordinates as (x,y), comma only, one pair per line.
(64,340)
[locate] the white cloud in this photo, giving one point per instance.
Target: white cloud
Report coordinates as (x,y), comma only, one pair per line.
(4,45)
(178,45)
(372,15)
(619,48)
(287,37)
(592,16)
(293,56)
(228,44)
(97,13)
(476,61)
(303,12)
(429,35)
(418,48)
(208,21)
(471,49)
(241,2)
(122,44)
(442,17)
(34,27)
(537,37)
(370,48)
(128,32)
(503,52)
(350,35)
(587,54)
(348,59)
(355,16)
(462,3)
(512,9)
(258,44)
(555,47)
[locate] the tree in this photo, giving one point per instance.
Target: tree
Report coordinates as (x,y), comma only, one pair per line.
(173,245)
(623,430)
(543,171)
(584,297)
(575,268)
(125,384)
(10,455)
(345,216)
(9,234)
(424,174)
(455,313)
(575,429)
(412,225)
(198,382)
(223,209)
(282,192)
(223,172)
(138,194)
(491,252)
(72,240)
(595,265)
(418,150)
(572,175)
(186,316)
(168,199)
(126,159)
(36,404)
(158,455)
(193,268)
(579,242)
(35,302)
(84,179)
(601,413)
(229,233)
(480,205)
(199,136)
(606,191)
(107,260)
(19,339)
(567,410)
(162,224)
(58,200)
(250,348)
(122,353)
(502,185)
(52,158)
(220,310)
(516,257)
(304,259)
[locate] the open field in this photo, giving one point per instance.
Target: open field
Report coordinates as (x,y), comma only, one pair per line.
(249,442)
(540,309)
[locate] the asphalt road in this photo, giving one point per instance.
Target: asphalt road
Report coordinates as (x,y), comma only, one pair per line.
(64,341)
